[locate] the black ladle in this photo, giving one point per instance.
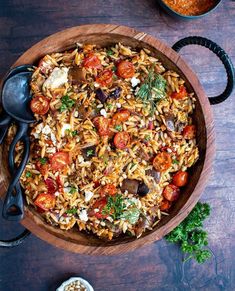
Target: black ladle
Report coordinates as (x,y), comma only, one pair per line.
(15,99)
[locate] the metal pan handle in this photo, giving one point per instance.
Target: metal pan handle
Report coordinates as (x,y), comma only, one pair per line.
(221,54)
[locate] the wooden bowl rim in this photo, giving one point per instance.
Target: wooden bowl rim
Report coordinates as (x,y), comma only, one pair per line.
(53,235)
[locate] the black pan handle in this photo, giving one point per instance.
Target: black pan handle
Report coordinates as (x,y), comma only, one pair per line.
(13,206)
(5,121)
(221,54)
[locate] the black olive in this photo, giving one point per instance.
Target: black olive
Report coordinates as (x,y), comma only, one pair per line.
(143,189)
(116,93)
(89,153)
(101,95)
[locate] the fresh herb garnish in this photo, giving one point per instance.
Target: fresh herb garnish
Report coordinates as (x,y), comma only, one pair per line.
(67,103)
(90,153)
(147,137)
(118,127)
(109,106)
(71,211)
(43,161)
(190,235)
(71,132)
(72,190)
(28,174)
(175,162)
(152,90)
(132,215)
(114,69)
(114,207)
(110,52)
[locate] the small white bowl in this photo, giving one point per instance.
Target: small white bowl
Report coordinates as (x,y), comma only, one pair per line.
(73,279)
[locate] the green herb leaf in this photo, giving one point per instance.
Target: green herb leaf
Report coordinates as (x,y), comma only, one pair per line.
(89,153)
(114,69)
(118,127)
(110,52)
(132,215)
(74,133)
(147,137)
(43,161)
(190,235)
(175,162)
(67,103)
(71,211)
(109,106)
(115,206)
(28,174)
(72,190)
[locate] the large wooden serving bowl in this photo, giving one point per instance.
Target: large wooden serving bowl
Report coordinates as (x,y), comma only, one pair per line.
(104,35)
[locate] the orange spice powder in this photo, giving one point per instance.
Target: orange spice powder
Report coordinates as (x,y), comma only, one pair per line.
(191,7)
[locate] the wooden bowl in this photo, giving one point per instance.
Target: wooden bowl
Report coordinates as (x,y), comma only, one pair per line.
(106,34)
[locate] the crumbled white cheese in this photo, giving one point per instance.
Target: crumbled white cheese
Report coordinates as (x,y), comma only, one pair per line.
(88,195)
(103,112)
(80,159)
(46,130)
(66,126)
(134,81)
(83,215)
(51,150)
(35,134)
(37,130)
(57,78)
(118,105)
(53,138)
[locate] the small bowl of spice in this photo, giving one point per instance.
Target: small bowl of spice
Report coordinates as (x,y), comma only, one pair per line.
(75,284)
(189,9)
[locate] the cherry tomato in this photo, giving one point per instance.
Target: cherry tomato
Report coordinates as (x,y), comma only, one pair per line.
(162,161)
(108,189)
(120,116)
(180,179)
(102,124)
(98,207)
(96,184)
(165,205)
(52,186)
(125,69)
(45,201)
(40,105)
(171,192)
(59,160)
(121,139)
(189,132)
(181,94)
(92,61)
(43,169)
(105,78)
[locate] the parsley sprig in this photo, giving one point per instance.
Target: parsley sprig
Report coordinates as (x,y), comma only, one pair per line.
(190,235)
(152,90)
(67,103)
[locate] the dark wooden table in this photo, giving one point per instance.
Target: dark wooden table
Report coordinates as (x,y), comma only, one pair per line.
(37,266)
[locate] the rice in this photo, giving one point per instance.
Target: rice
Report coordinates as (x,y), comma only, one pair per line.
(91,161)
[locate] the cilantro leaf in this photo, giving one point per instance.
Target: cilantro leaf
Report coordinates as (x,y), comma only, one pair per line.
(28,174)
(67,103)
(71,211)
(43,161)
(118,127)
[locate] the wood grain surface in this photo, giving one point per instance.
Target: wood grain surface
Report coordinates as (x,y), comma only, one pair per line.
(36,265)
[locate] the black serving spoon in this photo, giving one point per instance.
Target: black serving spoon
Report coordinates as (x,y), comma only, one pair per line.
(5,119)
(15,99)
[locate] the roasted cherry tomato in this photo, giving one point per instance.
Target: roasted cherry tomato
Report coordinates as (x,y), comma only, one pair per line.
(189,132)
(43,169)
(98,207)
(59,160)
(40,104)
(45,201)
(120,116)
(165,205)
(105,78)
(180,179)
(181,94)
(92,61)
(125,69)
(102,124)
(171,192)
(121,139)
(108,189)
(52,186)
(162,161)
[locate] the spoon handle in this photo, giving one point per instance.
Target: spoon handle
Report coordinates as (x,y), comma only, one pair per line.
(5,121)
(13,207)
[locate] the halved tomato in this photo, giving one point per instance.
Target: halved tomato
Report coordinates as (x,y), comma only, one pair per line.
(52,186)
(108,189)
(98,207)
(181,94)
(171,192)
(40,104)
(92,61)
(43,169)
(59,160)
(105,78)
(180,179)
(162,161)
(125,69)
(121,139)
(102,124)
(165,205)
(189,132)
(45,201)
(120,116)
